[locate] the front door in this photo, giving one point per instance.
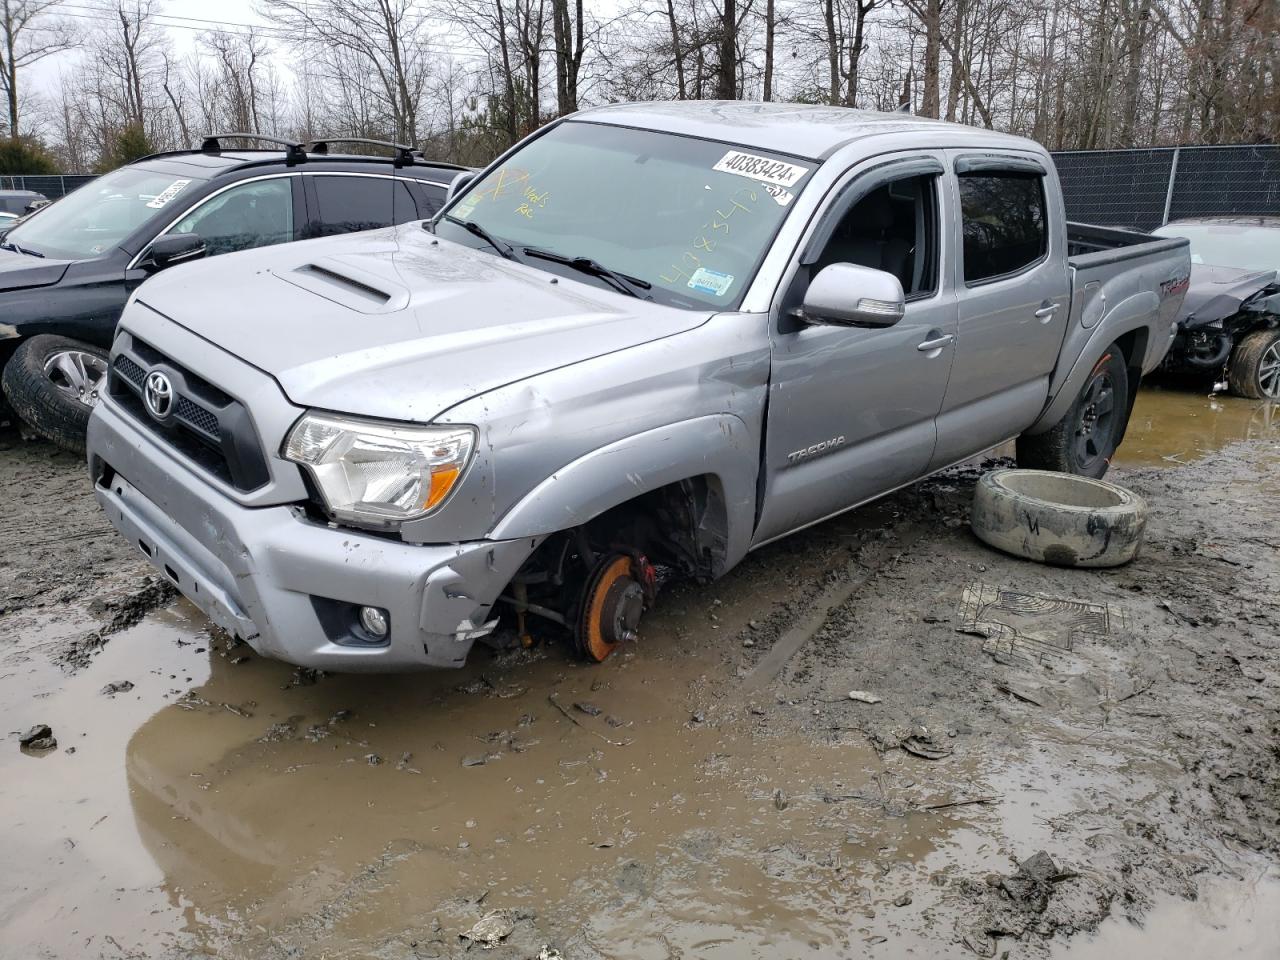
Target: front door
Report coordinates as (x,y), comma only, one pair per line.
(851,411)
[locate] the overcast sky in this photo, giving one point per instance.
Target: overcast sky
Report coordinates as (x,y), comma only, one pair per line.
(183,20)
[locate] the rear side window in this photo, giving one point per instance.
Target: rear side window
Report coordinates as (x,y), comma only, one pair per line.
(1005,226)
(348,204)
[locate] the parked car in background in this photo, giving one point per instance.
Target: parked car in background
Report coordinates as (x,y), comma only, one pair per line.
(651,336)
(67,270)
(17,204)
(1229,328)
(21,202)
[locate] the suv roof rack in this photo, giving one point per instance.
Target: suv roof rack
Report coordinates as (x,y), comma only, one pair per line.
(294,152)
(405,155)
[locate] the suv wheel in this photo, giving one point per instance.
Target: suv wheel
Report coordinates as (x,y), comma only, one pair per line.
(1085,439)
(1254,368)
(53,384)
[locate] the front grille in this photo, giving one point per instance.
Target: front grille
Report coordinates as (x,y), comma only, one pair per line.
(197,417)
(208,426)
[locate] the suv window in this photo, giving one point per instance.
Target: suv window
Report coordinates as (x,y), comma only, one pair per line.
(350,203)
(1004,223)
(893,228)
(255,214)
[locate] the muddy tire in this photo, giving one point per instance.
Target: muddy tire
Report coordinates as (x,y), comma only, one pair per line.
(52,383)
(1055,518)
(1254,368)
(1085,439)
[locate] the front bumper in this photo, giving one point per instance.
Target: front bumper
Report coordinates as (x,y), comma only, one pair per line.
(289,586)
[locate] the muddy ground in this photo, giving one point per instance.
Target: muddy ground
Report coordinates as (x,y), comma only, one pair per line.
(1057,762)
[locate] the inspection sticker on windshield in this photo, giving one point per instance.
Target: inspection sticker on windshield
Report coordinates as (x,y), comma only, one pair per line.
(167,194)
(763,169)
(708,281)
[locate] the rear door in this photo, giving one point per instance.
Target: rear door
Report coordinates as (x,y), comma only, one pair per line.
(851,410)
(350,202)
(1014,300)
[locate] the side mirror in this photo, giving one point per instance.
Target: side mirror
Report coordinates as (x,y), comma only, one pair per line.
(459,183)
(171,250)
(847,295)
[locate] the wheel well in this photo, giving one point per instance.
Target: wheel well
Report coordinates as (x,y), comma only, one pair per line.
(684,525)
(1133,346)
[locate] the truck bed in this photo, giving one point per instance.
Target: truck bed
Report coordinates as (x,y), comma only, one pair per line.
(1115,273)
(1089,245)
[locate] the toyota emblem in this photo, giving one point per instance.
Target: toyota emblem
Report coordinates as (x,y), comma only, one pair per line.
(158,394)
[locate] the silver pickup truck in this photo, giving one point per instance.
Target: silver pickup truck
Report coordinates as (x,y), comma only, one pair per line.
(646,340)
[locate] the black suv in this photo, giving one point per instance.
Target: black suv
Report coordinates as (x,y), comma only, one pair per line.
(67,270)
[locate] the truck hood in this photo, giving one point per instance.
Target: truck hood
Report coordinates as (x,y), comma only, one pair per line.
(397,324)
(1216,293)
(18,271)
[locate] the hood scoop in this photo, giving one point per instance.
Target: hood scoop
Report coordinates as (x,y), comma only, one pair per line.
(341,282)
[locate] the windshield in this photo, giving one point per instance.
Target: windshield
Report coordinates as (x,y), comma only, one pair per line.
(1229,244)
(89,221)
(690,219)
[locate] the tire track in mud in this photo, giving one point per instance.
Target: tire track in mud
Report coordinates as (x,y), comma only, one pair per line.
(856,575)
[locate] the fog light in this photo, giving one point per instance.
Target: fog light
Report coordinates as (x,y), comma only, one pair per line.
(374,622)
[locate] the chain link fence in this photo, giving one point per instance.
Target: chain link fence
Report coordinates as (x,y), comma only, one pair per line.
(1145,188)
(52,187)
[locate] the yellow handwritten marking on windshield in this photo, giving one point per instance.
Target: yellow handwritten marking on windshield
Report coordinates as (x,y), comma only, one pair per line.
(720,222)
(505,178)
(532,199)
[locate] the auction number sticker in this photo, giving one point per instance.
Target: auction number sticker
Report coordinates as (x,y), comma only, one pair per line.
(764,169)
(167,194)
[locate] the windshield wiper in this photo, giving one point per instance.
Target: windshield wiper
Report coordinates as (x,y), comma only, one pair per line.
(474,228)
(10,245)
(619,281)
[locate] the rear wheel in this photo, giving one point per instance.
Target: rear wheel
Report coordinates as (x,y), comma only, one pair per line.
(1254,368)
(53,383)
(1085,439)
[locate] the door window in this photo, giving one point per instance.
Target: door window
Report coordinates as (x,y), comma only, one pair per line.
(893,228)
(255,214)
(1004,223)
(348,204)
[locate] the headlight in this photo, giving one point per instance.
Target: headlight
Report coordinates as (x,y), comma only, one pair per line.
(373,472)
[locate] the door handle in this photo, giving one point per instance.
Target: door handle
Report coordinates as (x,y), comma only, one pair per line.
(937,343)
(1044,313)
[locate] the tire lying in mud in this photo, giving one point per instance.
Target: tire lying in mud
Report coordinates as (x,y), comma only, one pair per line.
(52,383)
(1058,518)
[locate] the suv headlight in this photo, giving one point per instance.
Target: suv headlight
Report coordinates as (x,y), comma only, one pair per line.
(379,473)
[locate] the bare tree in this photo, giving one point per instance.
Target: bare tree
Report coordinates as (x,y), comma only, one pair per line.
(29,32)
(384,40)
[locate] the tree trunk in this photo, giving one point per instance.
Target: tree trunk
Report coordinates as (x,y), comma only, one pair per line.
(727,69)
(676,52)
(932,46)
(769,26)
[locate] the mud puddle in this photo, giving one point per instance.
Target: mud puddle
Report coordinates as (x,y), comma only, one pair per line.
(1237,919)
(1171,426)
(225,796)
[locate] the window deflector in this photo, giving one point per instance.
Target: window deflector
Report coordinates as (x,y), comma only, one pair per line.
(857,188)
(991,163)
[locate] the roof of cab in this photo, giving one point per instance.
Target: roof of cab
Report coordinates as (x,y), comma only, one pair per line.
(801,130)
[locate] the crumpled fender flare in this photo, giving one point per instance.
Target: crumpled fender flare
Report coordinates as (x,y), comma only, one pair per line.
(1134,313)
(721,446)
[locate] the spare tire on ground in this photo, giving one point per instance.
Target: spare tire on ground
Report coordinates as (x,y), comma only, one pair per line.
(1058,518)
